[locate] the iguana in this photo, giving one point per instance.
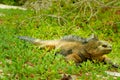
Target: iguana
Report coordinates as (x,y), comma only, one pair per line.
(77,48)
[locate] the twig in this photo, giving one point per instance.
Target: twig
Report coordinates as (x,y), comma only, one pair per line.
(79,5)
(117,74)
(92,29)
(91,11)
(42,15)
(85,8)
(110,2)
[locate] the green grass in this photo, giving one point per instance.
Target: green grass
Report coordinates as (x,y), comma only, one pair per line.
(23,61)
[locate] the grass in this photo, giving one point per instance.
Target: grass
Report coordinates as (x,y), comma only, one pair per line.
(23,61)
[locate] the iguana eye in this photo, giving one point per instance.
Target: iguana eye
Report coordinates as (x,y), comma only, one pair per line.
(104,46)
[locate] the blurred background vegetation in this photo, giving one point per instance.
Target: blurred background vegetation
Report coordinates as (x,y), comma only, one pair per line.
(101,17)
(92,14)
(13,2)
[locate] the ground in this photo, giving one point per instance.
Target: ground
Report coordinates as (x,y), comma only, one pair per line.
(22,60)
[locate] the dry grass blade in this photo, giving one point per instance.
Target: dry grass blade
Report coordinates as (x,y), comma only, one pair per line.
(117,74)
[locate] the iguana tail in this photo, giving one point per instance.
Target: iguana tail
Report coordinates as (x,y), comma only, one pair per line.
(41,43)
(31,40)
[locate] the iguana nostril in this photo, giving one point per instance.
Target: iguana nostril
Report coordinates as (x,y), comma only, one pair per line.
(110,46)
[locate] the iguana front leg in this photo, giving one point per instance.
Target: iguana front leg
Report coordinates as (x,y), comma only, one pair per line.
(107,60)
(74,57)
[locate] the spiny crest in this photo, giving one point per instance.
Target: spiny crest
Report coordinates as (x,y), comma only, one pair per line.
(74,38)
(79,39)
(92,37)
(26,38)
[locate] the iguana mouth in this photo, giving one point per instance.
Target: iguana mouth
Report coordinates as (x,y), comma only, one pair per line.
(107,50)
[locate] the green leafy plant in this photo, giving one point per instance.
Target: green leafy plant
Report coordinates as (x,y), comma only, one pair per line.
(22,60)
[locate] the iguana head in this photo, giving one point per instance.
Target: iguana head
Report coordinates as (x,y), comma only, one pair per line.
(96,47)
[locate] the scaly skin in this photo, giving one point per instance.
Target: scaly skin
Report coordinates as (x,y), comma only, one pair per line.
(77,49)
